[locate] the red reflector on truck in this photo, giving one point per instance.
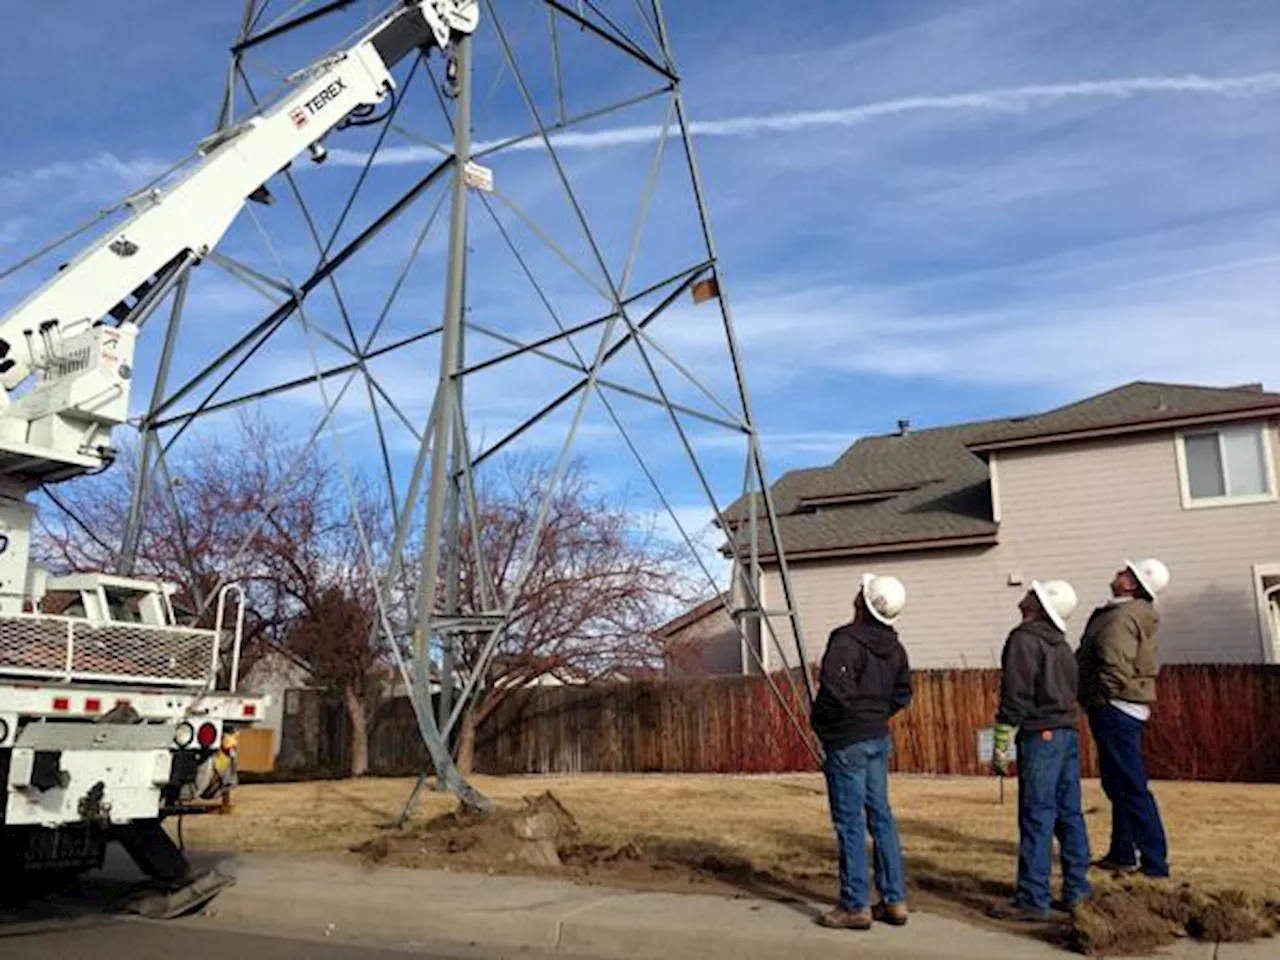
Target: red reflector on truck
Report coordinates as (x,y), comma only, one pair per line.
(250,710)
(206,735)
(92,705)
(61,703)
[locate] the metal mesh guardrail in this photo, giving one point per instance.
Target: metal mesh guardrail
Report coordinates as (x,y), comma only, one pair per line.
(73,649)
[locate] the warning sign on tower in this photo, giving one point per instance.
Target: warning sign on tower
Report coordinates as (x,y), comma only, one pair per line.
(478,177)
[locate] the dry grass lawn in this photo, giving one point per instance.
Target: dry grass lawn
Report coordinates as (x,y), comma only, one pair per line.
(955,833)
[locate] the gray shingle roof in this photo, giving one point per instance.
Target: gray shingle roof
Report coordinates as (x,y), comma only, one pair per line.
(925,485)
(1134,406)
(931,486)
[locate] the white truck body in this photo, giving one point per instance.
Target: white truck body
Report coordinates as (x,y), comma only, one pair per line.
(133,761)
(115,714)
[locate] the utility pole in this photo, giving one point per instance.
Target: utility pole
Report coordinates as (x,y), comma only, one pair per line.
(447,468)
(450,475)
(455,310)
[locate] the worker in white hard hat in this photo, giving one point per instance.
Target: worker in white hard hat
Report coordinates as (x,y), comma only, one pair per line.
(1038,688)
(865,680)
(1118,666)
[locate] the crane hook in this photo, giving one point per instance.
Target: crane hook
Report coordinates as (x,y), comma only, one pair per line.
(451,77)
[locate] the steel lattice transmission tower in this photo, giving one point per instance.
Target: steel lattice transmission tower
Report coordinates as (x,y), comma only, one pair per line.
(480,237)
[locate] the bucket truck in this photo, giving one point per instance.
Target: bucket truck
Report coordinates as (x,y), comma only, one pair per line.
(112,716)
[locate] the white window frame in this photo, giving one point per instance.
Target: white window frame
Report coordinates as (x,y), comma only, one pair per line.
(1184,479)
(993,471)
(1262,572)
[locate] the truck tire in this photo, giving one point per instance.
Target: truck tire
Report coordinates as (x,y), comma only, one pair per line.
(151,849)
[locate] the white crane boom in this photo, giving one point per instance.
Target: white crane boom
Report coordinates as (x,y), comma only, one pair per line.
(68,347)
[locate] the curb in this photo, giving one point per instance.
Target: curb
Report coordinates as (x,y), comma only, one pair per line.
(548,918)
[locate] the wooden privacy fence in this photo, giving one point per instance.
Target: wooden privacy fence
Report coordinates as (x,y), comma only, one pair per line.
(721,725)
(1211,723)
(395,746)
(733,725)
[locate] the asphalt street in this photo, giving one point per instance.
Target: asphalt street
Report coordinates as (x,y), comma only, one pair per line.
(111,939)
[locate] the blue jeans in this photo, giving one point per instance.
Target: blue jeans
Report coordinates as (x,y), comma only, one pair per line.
(1135,819)
(1049,806)
(858,791)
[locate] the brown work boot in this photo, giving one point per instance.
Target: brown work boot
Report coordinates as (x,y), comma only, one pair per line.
(894,914)
(842,919)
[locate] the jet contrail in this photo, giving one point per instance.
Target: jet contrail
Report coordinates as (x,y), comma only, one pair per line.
(1000,100)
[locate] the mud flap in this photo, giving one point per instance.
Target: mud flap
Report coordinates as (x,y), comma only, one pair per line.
(173,890)
(164,902)
(151,849)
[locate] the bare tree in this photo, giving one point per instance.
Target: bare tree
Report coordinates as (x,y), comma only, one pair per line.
(602,578)
(269,516)
(281,522)
(332,636)
(323,566)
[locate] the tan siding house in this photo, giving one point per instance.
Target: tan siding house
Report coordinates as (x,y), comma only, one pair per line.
(957,614)
(968,515)
(1123,498)
(704,642)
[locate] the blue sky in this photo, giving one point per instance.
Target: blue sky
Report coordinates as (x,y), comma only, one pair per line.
(936,211)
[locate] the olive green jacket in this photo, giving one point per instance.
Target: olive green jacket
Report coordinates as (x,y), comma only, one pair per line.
(1117,654)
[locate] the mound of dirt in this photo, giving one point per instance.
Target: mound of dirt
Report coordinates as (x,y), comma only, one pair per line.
(1140,916)
(530,836)
(541,836)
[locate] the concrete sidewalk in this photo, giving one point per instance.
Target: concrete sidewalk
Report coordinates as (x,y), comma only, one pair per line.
(337,900)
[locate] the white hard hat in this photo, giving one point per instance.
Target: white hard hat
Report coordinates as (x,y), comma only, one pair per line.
(884,597)
(1151,574)
(1057,599)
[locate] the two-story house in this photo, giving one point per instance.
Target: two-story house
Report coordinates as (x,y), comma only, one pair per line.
(968,515)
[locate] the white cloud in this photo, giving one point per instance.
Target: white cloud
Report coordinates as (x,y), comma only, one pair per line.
(1079,327)
(696,520)
(1004,100)
(784,443)
(103,175)
(11,230)
(1007,100)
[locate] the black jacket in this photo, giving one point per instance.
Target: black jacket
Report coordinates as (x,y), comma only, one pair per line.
(865,680)
(1039,680)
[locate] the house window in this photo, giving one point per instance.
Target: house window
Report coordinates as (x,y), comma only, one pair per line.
(1228,465)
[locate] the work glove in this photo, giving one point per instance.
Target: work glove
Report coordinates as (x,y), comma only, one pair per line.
(1000,751)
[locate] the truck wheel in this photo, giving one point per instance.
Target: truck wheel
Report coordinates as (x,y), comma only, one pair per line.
(151,849)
